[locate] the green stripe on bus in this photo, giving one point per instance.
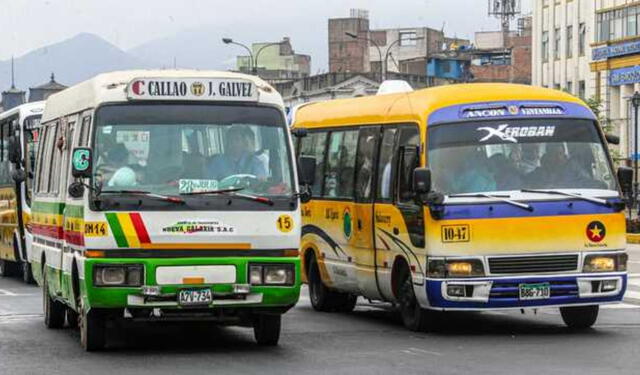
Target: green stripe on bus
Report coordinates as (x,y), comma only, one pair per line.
(74,211)
(116,229)
(48,207)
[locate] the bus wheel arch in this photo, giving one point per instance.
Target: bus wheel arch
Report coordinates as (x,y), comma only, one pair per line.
(397,271)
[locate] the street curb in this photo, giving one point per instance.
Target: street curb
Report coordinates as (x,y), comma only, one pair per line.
(633,238)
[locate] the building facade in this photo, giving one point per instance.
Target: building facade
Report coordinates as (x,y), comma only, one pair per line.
(562,33)
(616,64)
(275,61)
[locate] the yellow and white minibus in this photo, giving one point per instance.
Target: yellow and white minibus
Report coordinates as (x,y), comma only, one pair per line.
(462,197)
(166,195)
(18,141)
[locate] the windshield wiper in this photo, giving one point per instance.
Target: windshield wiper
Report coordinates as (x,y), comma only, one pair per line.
(603,202)
(503,198)
(233,192)
(165,198)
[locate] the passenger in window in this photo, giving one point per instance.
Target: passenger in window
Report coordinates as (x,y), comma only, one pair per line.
(530,158)
(475,175)
(505,174)
(365,169)
(552,167)
(579,171)
(239,157)
(124,176)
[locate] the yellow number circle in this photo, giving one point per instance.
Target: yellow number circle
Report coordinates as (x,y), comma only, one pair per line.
(284,223)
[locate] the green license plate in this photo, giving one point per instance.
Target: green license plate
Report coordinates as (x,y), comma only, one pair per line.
(534,291)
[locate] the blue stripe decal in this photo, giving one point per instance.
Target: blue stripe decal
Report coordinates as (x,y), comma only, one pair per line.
(456,113)
(504,210)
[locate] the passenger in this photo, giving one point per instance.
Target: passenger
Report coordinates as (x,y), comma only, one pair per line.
(530,158)
(238,158)
(579,171)
(552,169)
(474,175)
(505,174)
(123,176)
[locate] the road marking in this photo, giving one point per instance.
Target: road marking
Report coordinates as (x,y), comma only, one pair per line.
(631,294)
(634,282)
(425,351)
(18,317)
(4,292)
(620,306)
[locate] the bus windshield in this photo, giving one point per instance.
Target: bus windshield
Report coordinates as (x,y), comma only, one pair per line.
(182,149)
(486,156)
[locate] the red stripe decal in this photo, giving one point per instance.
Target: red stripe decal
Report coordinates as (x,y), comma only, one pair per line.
(53,231)
(141,230)
(74,238)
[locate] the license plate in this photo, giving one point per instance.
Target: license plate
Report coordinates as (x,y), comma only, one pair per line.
(190,297)
(535,291)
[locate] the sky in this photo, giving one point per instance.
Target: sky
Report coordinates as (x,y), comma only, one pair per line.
(29,24)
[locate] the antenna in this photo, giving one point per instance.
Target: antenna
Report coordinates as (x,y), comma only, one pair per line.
(505,10)
(13,75)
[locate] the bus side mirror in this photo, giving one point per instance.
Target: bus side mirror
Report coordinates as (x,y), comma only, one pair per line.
(307,170)
(612,139)
(81,162)
(422,180)
(625,178)
(14,150)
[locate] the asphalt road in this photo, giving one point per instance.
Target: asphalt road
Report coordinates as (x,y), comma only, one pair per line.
(371,340)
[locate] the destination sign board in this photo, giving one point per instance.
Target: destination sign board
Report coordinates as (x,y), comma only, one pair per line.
(201,89)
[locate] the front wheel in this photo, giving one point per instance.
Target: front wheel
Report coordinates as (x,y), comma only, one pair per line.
(579,317)
(7,268)
(414,317)
(93,330)
(266,329)
(54,311)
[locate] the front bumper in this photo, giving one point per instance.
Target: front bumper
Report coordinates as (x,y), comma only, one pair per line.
(224,296)
(503,293)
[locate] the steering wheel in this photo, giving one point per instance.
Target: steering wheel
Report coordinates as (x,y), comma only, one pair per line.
(245,181)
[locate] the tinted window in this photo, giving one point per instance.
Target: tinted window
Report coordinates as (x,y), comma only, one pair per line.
(385,164)
(409,142)
(314,145)
(365,161)
(341,161)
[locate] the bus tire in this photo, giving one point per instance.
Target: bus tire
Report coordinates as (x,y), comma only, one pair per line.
(54,311)
(93,330)
(72,318)
(266,329)
(27,275)
(319,294)
(7,268)
(414,317)
(579,317)
(346,302)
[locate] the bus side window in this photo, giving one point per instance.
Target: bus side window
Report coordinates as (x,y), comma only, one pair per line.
(45,145)
(365,160)
(314,145)
(385,165)
(5,167)
(408,143)
(56,149)
(83,138)
(340,170)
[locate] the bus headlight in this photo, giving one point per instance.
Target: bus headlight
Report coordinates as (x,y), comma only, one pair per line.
(118,275)
(455,267)
(605,262)
(272,274)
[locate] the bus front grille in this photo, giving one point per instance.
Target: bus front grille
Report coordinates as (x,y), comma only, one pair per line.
(533,264)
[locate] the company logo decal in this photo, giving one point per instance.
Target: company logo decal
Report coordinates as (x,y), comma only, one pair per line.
(347,225)
(197,88)
(596,231)
(511,134)
(193,226)
(514,110)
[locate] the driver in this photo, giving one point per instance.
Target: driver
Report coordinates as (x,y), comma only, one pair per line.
(239,156)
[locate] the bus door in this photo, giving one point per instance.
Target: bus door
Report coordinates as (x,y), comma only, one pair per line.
(363,240)
(398,220)
(67,140)
(8,202)
(337,206)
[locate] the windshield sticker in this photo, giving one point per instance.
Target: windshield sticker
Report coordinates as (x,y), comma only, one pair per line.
(195,186)
(192,89)
(195,226)
(510,134)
